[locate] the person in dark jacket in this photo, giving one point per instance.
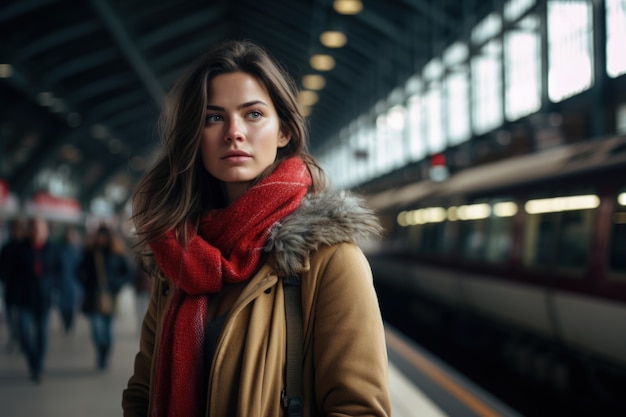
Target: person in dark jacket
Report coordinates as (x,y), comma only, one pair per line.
(9,278)
(103,272)
(38,267)
(70,289)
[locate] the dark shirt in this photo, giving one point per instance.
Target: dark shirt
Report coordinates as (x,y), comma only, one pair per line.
(213,331)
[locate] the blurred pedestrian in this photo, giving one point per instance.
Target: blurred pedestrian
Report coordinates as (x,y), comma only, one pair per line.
(70,289)
(9,277)
(103,272)
(38,268)
(233,207)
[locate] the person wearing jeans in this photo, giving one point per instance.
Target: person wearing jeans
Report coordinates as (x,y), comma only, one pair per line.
(102,335)
(38,267)
(34,339)
(103,271)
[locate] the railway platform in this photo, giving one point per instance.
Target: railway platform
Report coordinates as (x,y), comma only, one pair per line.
(73,386)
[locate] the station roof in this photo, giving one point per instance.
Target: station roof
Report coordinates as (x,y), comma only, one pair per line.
(82,82)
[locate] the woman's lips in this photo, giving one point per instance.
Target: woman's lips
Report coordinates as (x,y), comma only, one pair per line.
(236,156)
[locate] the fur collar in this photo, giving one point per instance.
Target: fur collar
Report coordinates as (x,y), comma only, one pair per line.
(323,219)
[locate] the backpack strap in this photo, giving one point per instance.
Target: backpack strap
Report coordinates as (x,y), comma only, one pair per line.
(291,397)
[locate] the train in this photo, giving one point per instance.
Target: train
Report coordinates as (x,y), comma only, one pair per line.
(530,249)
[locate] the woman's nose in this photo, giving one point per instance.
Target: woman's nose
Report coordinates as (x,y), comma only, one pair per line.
(235,130)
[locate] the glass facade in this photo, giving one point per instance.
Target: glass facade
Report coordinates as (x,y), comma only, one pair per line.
(522,62)
(570,45)
(615,37)
(475,87)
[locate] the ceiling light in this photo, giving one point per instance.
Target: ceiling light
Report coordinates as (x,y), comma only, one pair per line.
(348,6)
(45,98)
(322,62)
(308,98)
(306,111)
(57,106)
(6,70)
(313,82)
(333,39)
(99,131)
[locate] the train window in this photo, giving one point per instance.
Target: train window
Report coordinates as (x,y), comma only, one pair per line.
(414,239)
(433,238)
(539,239)
(558,231)
(427,230)
(500,239)
(486,230)
(574,239)
(473,228)
(473,235)
(617,249)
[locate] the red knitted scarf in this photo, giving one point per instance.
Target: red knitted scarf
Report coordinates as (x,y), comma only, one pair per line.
(227,249)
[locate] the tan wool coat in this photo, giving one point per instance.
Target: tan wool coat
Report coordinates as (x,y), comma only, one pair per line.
(344,354)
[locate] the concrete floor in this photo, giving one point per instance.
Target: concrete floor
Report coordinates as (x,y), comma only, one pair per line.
(71,385)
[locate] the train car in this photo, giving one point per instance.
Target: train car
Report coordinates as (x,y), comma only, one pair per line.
(532,248)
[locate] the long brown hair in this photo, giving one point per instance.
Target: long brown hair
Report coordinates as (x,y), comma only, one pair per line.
(177,190)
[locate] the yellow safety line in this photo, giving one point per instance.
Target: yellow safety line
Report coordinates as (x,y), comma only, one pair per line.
(439,377)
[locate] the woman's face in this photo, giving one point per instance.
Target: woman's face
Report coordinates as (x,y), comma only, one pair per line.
(241,132)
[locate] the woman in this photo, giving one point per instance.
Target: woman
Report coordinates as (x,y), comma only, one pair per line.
(103,272)
(233,205)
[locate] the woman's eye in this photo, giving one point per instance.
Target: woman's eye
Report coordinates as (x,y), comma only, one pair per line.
(255,114)
(212,118)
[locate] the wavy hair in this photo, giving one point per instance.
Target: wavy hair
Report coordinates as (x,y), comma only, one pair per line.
(177,190)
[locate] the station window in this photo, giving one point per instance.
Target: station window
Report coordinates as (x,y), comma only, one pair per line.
(360,152)
(396,128)
(434,118)
(487,87)
(417,147)
(457,104)
(514,9)
(615,37)
(558,231)
(382,159)
(433,109)
(522,58)
(570,45)
(456,94)
(617,248)
(369,133)
(486,73)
